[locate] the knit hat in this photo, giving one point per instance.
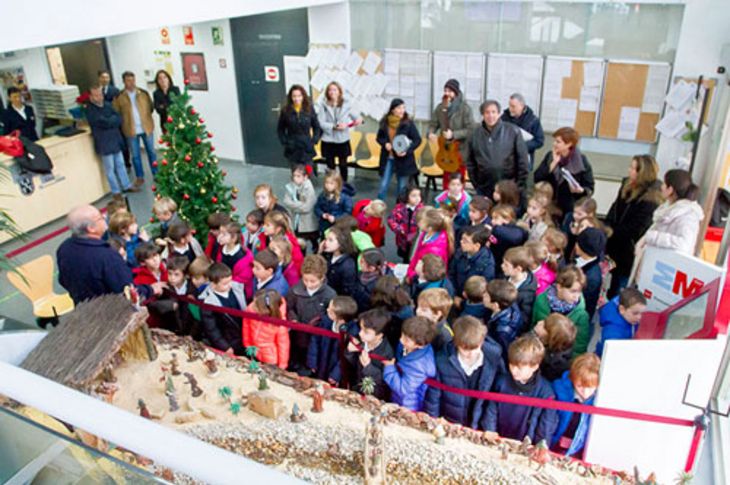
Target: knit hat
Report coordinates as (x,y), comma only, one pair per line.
(592,241)
(395,103)
(453,85)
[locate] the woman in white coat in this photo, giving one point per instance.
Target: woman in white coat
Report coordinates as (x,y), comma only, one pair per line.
(336,119)
(676,223)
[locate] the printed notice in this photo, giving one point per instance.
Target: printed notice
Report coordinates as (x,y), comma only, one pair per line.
(654,91)
(589,98)
(628,123)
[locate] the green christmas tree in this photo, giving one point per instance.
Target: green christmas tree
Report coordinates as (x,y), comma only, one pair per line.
(188,171)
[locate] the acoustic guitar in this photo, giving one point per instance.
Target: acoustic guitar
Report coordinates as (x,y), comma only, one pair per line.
(448,157)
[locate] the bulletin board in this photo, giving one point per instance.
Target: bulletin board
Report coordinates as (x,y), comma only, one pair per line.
(467,68)
(571,93)
(408,75)
(515,73)
(633,100)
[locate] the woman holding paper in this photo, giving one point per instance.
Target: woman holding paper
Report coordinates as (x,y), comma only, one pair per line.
(336,118)
(567,170)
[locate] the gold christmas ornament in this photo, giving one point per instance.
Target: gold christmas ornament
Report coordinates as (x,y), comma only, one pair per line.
(202,190)
(181,125)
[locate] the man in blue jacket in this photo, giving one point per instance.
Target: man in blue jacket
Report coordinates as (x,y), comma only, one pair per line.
(518,113)
(87,266)
(105,124)
(471,361)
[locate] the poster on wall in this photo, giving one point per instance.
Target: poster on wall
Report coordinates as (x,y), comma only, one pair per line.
(194,70)
(163,60)
(14,77)
(188,35)
(217,33)
(165,35)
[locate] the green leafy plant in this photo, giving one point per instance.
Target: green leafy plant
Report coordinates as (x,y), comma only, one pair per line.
(684,478)
(225,392)
(9,227)
(188,171)
(691,134)
(235,408)
(367,386)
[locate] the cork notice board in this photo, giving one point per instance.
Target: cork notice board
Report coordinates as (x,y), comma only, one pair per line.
(571,94)
(633,100)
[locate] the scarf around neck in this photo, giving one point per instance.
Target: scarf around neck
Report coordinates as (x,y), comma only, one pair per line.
(556,304)
(393,121)
(573,163)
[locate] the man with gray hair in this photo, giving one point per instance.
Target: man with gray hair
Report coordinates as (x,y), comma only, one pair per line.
(87,266)
(518,113)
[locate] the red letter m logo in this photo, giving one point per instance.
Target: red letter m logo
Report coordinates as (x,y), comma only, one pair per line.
(683,289)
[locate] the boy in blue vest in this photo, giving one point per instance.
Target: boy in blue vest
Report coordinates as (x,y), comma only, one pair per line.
(474,290)
(473,258)
(505,322)
(323,357)
(620,317)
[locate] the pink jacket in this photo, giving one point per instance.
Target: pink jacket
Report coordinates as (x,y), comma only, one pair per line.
(291,275)
(242,272)
(544,276)
(438,246)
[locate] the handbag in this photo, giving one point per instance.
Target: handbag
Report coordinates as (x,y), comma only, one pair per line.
(11,144)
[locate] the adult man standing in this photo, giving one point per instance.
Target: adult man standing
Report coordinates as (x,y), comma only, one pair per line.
(87,266)
(107,88)
(135,106)
(518,113)
(460,121)
(495,151)
(105,124)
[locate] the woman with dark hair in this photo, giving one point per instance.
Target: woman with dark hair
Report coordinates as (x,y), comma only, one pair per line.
(161,96)
(336,117)
(18,116)
(298,128)
(396,123)
(566,157)
(630,216)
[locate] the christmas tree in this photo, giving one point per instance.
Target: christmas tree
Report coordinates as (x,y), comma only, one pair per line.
(188,171)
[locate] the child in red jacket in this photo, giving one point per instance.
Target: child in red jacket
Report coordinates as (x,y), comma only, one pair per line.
(153,273)
(369,215)
(271,341)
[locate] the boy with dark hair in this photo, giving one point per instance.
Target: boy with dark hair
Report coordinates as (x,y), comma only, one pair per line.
(371,338)
(523,379)
(435,304)
(267,273)
(479,208)
(415,364)
(506,321)
(589,249)
(323,357)
(198,271)
(473,258)
(516,268)
(306,302)
(252,235)
(221,330)
(184,323)
(152,273)
(431,271)
(215,221)
(620,317)
(474,290)
(182,242)
(507,233)
(472,361)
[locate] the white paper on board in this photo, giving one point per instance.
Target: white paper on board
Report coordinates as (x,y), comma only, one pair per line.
(567,111)
(592,74)
(314,56)
(628,123)
(296,71)
(372,61)
(393,85)
(672,125)
(392,62)
(680,95)
(344,79)
(423,93)
(407,85)
(654,91)
(589,98)
(353,62)
(319,79)
(474,67)
(473,90)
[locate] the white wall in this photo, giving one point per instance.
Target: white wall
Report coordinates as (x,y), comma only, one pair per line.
(329,24)
(704,30)
(47,22)
(219,105)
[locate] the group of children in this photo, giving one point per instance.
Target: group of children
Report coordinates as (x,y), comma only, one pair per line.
(499,295)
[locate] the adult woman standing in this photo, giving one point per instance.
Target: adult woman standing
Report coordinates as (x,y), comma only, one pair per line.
(565,155)
(396,122)
(630,216)
(335,117)
(298,128)
(161,96)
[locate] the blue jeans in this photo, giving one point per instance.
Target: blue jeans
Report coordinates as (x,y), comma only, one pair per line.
(385,180)
(149,148)
(116,174)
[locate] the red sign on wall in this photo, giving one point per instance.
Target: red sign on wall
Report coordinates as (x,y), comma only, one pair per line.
(271,74)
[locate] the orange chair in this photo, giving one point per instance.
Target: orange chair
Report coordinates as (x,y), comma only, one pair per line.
(38,288)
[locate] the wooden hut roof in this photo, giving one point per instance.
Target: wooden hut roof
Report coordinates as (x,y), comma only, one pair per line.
(86,340)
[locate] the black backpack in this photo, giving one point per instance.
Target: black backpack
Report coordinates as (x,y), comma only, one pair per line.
(35,159)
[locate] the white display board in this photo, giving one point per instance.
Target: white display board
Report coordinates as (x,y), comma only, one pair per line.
(515,73)
(408,74)
(465,67)
(666,276)
(649,376)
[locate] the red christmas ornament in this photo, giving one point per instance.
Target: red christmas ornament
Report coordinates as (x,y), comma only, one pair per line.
(186,197)
(154,164)
(192,111)
(214,199)
(210,135)
(224,173)
(234,196)
(201,120)
(187,81)
(198,141)
(233,209)
(160,141)
(200,164)
(154,188)
(164,162)
(152,219)
(188,158)
(169,119)
(193,231)
(212,148)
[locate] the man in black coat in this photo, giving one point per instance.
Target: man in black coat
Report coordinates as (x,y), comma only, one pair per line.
(518,113)
(109,91)
(19,116)
(87,266)
(496,151)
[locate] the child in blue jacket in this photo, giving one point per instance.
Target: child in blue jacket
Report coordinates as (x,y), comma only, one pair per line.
(578,385)
(332,202)
(473,258)
(474,290)
(620,317)
(506,232)
(323,354)
(506,320)
(415,364)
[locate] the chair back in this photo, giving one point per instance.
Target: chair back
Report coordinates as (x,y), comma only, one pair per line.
(355,139)
(38,274)
(373,145)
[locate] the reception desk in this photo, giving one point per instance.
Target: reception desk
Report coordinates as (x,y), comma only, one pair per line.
(78,178)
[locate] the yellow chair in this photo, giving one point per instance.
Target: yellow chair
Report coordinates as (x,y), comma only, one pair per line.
(355,139)
(418,153)
(433,171)
(38,288)
(372,162)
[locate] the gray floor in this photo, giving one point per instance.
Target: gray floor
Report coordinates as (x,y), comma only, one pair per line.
(14,305)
